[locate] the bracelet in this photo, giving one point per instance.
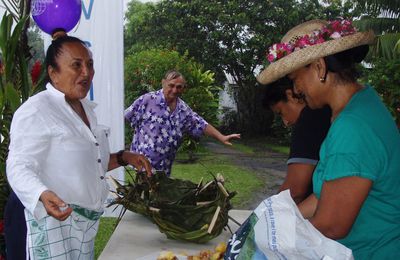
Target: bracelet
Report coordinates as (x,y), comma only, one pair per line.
(120,160)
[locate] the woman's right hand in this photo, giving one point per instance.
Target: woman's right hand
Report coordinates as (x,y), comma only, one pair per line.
(140,161)
(55,206)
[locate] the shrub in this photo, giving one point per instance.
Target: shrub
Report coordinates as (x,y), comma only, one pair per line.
(385,78)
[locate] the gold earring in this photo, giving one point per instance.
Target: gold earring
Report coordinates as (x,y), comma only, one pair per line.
(322,79)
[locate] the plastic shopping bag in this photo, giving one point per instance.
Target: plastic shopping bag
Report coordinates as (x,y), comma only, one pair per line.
(277,230)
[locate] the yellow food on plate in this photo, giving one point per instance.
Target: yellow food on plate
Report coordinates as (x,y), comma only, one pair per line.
(218,254)
(221,247)
(167,255)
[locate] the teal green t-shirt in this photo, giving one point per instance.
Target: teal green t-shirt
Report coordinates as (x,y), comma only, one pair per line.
(364,141)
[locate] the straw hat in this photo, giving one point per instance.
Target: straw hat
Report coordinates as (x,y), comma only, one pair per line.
(301,57)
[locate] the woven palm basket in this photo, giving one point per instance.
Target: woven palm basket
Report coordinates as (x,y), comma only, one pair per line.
(181,209)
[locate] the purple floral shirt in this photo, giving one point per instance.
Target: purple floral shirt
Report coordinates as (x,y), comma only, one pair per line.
(158,131)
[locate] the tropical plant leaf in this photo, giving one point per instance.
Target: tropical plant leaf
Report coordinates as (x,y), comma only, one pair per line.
(5,29)
(12,45)
(386,6)
(386,46)
(14,7)
(385,21)
(1,102)
(14,82)
(26,84)
(397,46)
(12,96)
(378,25)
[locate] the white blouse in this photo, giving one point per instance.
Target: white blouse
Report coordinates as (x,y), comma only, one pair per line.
(51,148)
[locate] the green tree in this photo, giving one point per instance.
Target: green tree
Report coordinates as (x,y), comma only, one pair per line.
(136,15)
(227,37)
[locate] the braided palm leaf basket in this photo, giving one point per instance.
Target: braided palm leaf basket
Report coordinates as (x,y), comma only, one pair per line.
(181,209)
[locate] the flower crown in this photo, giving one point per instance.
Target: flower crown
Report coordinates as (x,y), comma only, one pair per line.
(333,30)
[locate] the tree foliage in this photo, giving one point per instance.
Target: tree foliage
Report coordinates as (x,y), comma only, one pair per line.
(383,17)
(136,15)
(385,8)
(385,77)
(227,37)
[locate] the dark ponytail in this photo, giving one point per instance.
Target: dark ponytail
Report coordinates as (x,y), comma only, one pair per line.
(344,63)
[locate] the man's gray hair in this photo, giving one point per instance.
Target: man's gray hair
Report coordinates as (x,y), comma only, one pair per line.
(173,74)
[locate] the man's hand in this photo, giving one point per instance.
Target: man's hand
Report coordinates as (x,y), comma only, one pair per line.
(213,132)
(55,206)
(226,138)
(140,162)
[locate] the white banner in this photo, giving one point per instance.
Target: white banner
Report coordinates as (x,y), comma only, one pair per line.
(101,27)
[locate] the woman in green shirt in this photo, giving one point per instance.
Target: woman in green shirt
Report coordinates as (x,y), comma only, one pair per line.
(356,185)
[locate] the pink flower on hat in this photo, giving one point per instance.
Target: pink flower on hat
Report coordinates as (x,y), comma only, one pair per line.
(335,35)
(271,57)
(319,40)
(303,42)
(335,25)
(278,50)
(333,30)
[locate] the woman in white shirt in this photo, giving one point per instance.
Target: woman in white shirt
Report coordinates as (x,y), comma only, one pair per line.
(58,157)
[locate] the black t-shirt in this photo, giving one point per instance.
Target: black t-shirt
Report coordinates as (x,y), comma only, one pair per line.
(308,134)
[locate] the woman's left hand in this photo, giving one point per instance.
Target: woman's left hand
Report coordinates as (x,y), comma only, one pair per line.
(55,206)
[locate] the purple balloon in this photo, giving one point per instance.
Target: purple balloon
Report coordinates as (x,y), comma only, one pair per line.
(56,14)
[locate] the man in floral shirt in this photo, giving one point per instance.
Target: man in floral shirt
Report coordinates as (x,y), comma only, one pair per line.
(161,118)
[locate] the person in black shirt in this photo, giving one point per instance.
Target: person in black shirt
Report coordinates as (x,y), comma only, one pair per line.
(309,128)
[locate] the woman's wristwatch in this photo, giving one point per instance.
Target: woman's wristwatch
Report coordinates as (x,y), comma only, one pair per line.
(120,160)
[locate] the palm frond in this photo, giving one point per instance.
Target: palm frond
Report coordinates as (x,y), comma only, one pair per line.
(397,47)
(378,25)
(387,46)
(25,85)
(12,6)
(5,133)
(389,7)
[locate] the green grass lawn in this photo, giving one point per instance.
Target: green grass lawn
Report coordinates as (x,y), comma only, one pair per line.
(252,145)
(236,179)
(106,228)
